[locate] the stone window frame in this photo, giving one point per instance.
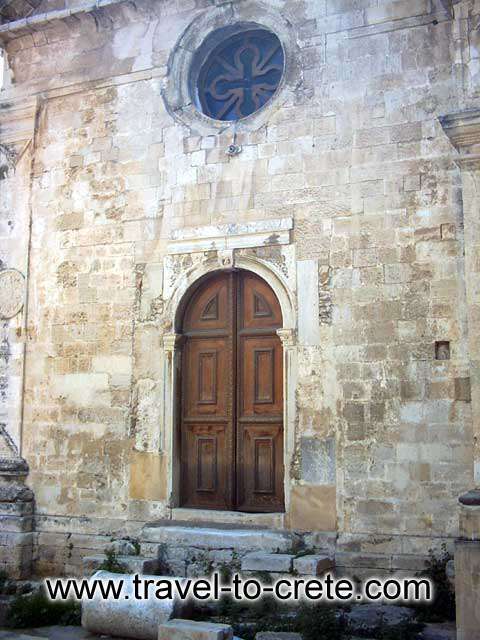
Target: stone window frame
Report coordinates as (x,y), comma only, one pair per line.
(177,93)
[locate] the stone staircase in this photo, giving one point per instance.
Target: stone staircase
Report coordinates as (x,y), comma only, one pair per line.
(197,549)
(126,557)
(189,549)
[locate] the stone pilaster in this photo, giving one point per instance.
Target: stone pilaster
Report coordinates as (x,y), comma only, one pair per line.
(16,519)
(172,356)
(467,567)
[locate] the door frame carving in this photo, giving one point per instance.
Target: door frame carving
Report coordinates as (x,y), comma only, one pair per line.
(172,363)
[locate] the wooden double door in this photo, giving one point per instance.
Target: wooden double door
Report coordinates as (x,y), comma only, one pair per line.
(231,431)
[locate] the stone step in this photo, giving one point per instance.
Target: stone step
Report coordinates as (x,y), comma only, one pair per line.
(207,536)
(131,564)
(278,635)
(313,565)
(271,562)
(192,630)
(307,565)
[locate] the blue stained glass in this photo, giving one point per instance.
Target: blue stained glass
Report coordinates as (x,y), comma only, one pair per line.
(241,75)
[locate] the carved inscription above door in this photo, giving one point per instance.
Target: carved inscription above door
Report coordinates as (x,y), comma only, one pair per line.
(231,423)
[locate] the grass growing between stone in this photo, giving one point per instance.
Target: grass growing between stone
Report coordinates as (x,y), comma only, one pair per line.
(314,622)
(442,609)
(36,610)
(3,579)
(112,563)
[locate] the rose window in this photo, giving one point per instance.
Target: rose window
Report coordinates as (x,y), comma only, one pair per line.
(241,75)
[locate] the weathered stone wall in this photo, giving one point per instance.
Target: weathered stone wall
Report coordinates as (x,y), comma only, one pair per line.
(16,128)
(355,154)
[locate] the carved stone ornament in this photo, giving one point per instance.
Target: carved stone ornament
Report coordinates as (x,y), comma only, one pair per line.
(226,258)
(287,336)
(171,341)
(12,293)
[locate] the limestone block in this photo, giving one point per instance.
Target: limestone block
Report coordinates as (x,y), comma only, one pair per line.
(467,594)
(463,389)
(16,523)
(313,508)
(147,476)
(368,617)
(16,509)
(217,538)
(317,460)
(128,618)
(190,630)
(278,635)
(450,572)
(131,564)
(123,547)
(439,631)
(308,327)
(469,522)
(313,565)
(267,562)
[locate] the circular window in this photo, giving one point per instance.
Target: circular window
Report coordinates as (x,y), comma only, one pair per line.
(229,71)
(240,75)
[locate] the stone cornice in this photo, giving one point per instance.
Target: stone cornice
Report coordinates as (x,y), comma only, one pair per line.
(39,21)
(225,237)
(13,467)
(17,121)
(11,11)
(463,130)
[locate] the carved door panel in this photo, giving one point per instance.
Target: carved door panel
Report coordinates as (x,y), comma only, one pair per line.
(232,396)
(259,398)
(207,446)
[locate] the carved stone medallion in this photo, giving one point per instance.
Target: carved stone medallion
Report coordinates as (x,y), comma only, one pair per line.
(12,291)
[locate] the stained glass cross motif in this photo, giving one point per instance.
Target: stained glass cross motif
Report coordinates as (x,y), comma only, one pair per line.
(241,75)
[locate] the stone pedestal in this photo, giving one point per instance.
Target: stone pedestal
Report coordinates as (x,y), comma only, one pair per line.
(467,568)
(16,519)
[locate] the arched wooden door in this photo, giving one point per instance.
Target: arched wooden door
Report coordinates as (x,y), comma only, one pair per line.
(231,429)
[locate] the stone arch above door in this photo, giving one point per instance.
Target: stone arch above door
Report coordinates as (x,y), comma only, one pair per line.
(267,270)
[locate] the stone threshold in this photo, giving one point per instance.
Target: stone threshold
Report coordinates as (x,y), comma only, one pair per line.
(208,535)
(234,518)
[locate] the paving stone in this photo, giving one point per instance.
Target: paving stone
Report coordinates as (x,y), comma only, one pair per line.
(368,617)
(53,633)
(276,562)
(191,630)
(278,635)
(313,565)
(438,631)
(21,636)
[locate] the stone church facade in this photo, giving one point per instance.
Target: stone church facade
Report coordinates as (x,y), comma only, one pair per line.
(340,400)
